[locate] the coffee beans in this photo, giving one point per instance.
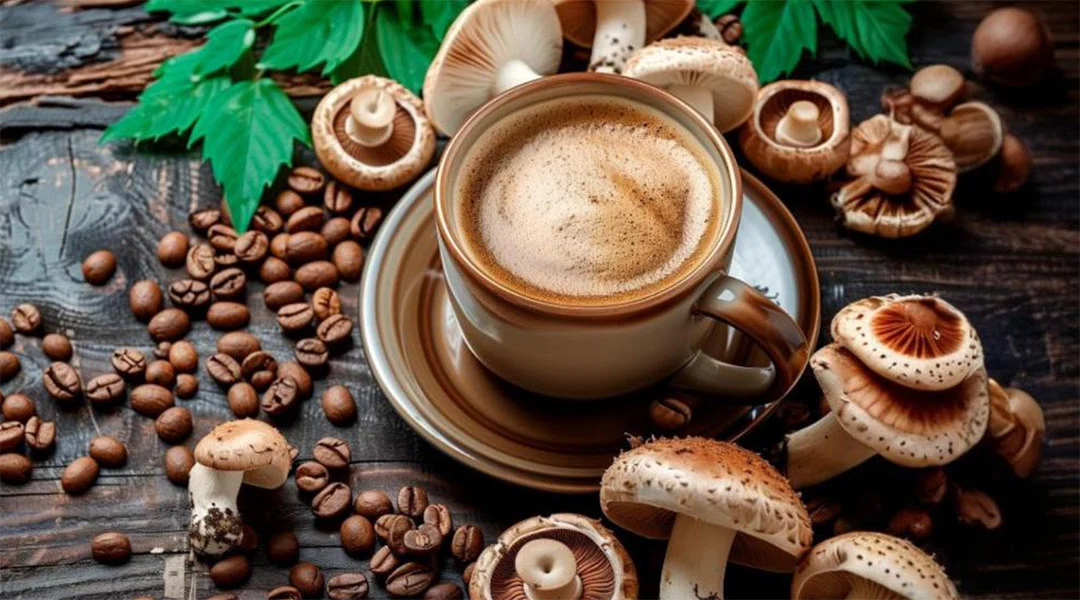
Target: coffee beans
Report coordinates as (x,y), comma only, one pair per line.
(466,575)
(338,406)
(365,222)
(283,548)
(231,572)
(309,218)
(412,501)
(311,477)
(7,334)
(335,330)
(174,425)
(332,502)
(178,463)
(243,400)
(335,231)
(108,451)
(312,353)
(161,351)
(169,325)
(444,591)
(99,267)
(62,382)
(79,476)
(439,516)
(129,363)
(468,543)
(203,219)
(26,318)
(238,344)
(409,579)
(190,294)
(348,257)
(317,274)
(296,317)
(274,270)
(11,435)
(395,535)
(304,247)
(280,397)
(288,202)
(228,284)
(387,524)
(57,347)
(299,375)
(161,372)
(172,249)
(227,315)
(15,468)
(106,390)
(145,299)
(266,221)
(332,453)
(223,369)
(260,369)
(184,357)
(187,385)
(9,365)
(425,539)
(222,238)
(337,198)
(282,293)
(347,586)
(150,400)
(111,548)
(307,578)
(252,246)
(357,535)
(383,562)
(40,435)
(200,263)
(373,504)
(306,180)
(18,407)
(278,244)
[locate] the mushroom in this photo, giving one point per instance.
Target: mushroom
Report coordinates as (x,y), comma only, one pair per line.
(561,557)
(1016,429)
(865,564)
(973,133)
(371,133)
(709,75)
(233,453)
(492,46)
(713,501)
(902,179)
(615,29)
(933,90)
(799,131)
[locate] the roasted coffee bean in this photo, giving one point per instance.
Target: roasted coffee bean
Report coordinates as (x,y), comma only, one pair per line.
(226,316)
(26,318)
(170,325)
(243,400)
(9,365)
(249,540)
(145,299)
(466,574)
(174,425)
(284,592)
(357,535)
(178,463)
(200,262)
(325,302)
(467,544)
(129,363)
(15,468)
(304,247)
(12,434)
(172,249)
(161,372)
(409,580)
(347,586)
(183,357)
(311,477)
(283,548)
(111,548)
(335,231)
(332,453)
(222,237)
(260,369)
(203,219)
(337,198)
(224,596)
(295,317)
(62,382)
(306,180)
(151,400)
(79,476)
(425,539)
(40,435)
(439,516)
(309,218)
(412,501)
(373,504)
(348,257)
(668,414)
(395,535)
(187,385)
(288,202)
(332,502)
(7,334)
(231,572)
(251,247)
(223,369)
(280,398)
(108,451)
(106,390)
(307,578)
(911,522)
(18,407)
(229,284)
(278,245)
(338,406)
(238,344)
(312,353)
(282,293)
(385,524)
(315,275)
(444,591)
(99,267)
(383,562)
(190,294)
(299,375)
(161,351)
(57,347)
(225,259)
(365,222)
(274,270)
(334,330)
(267,221)
(931,485)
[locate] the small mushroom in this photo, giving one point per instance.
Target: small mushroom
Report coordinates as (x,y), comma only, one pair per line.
(1016,429)
(561,557)
(713,501)
(371,133)
(902,178)
(973,133)
(233,453)
(616,29)
(709,75)
(933,90)
(798,132)
(492,46)
(865,564)
(1013,165)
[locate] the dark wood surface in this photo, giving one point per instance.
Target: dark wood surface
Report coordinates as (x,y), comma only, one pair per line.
(1012,263)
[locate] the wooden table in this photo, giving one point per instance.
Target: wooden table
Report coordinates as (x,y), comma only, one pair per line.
(1010,262)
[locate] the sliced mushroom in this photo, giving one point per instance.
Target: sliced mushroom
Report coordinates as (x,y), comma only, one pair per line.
(616,29)
(561,557)
(707,74)
(712,501)
(798,132)
(866,564)
(973,133)
(492,46)
(1017,428)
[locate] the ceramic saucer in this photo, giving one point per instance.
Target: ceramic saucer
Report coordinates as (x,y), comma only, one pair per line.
(416,352)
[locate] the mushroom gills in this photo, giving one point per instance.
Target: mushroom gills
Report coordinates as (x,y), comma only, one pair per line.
(620,30)
(215,520)
(513,73)
(548,570)
(699,98)
(696,559)
(865,589)
(822,451)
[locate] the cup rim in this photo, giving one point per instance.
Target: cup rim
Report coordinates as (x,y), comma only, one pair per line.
(689,281)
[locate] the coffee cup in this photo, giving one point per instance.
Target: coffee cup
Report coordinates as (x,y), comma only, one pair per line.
(585,226)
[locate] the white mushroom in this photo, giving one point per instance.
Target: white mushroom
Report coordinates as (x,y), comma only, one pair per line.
(615,29)
(548,570)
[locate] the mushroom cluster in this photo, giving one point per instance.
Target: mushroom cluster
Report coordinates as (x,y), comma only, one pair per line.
(904,378)
(1016,428)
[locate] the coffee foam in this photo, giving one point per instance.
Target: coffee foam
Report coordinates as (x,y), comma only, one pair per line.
(588,199)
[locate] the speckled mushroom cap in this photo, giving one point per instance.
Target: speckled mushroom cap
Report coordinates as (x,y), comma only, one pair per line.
(712,481)
(604,566)
(578,18)
(247,445)
(391,164)
(866,564)
(909,427)
(921,342)
(702,63)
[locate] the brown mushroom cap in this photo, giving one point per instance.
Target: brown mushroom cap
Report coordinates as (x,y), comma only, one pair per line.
(578,18)
(1017,428)
(797,164)
(247,445)
(393,163)
(973,132)
(715,482)
(921,342)
(604,566)
(909,427)
(926,191)
(866,564)
(940,86)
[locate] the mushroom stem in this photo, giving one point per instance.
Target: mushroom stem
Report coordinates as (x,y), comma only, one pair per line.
(549,570)
(696,559)
(513,73)
(371,117)
(215,520)
(864,589)
(620,30)
(699,98)
(799,126)
(821,451)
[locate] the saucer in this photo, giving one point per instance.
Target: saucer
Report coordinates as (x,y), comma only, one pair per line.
(416,352)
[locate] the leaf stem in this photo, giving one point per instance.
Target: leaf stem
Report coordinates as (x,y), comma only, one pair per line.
(277,13)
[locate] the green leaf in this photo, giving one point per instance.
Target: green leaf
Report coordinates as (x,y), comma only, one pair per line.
(776,34)
(247,132)
(875,30)
(440,14)
(225,44)
(189,12)
(715,8)
(315,33)
(405,46)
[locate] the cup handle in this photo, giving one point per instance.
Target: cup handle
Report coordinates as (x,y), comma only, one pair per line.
(735,303)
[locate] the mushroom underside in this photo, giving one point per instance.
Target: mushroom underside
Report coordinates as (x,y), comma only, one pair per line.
(399,143)
(598,578)
(778,104)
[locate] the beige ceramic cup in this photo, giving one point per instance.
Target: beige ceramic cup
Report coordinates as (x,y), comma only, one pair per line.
(600,351)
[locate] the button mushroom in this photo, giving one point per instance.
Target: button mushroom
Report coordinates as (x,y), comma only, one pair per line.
(561,557)
(713,501)
(233,453)
(492,46)
(709,75)
(798,131)
(1016,429)
(973,133)
(615,29)
(932,92)
(371,133)
(866,564)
